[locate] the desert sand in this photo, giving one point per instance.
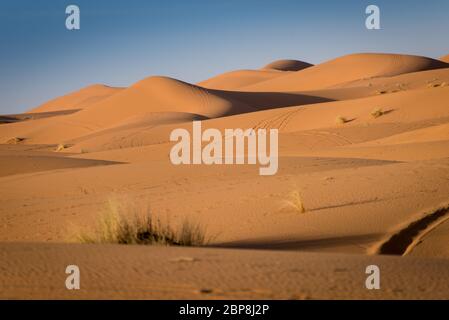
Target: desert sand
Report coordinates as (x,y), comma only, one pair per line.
(363,144)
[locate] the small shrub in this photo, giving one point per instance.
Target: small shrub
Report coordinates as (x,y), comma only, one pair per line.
(61,147)
(15,140)
(341,120)
(376,113)
(295,201)
(117,228)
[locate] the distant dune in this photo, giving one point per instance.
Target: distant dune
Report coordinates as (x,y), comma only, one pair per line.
(445,58)
(346,69)
(287,65)
(236,79)
(78,100)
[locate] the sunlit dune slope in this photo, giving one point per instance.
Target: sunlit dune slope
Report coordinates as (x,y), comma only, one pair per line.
(78,99)
(346,69)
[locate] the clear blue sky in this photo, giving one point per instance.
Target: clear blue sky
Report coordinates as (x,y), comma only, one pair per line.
(121,42)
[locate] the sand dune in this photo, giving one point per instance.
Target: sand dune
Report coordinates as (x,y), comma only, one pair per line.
(362,182)
(346,69)
(78,100)
(287,65)
(150,101)
(428,134)
(37,272)
(12,163)
(237,79)
(160,94)
(445,58)
(404,109)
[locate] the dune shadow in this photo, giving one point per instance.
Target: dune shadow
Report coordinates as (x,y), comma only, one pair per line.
(300,244)
(12,118)
(271,100)
(388,111)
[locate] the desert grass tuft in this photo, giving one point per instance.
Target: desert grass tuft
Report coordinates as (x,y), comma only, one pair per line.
(376,113)
(116,227)
(15,140)
(61,147)
(296,202)
(341,120)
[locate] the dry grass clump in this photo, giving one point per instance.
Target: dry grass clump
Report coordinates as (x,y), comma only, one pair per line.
(61,147)
(296,202)
(341,120)
(116,227)
(376,113)
(15,140)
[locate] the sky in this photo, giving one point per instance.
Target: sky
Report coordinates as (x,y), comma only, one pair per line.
(123,41)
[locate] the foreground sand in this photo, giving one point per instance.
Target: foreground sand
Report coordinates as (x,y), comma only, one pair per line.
(371,185)
(118,272)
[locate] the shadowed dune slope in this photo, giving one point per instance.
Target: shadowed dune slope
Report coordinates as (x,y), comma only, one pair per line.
(79,99)
(347,69)
(287,65)
(13,163)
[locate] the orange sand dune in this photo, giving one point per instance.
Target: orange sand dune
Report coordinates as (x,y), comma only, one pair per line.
(445,58)
(348,68)
(120,272)
(240,78)
(12,163)
(161,94)
(145,100)
(428,134)
(78,99)
(287,65)
(404,111)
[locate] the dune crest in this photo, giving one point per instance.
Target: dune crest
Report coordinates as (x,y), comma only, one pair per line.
(445,58)
(347,69)
(287,65)
(240,78)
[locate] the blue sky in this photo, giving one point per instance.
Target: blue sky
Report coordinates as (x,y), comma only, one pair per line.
(121,42)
